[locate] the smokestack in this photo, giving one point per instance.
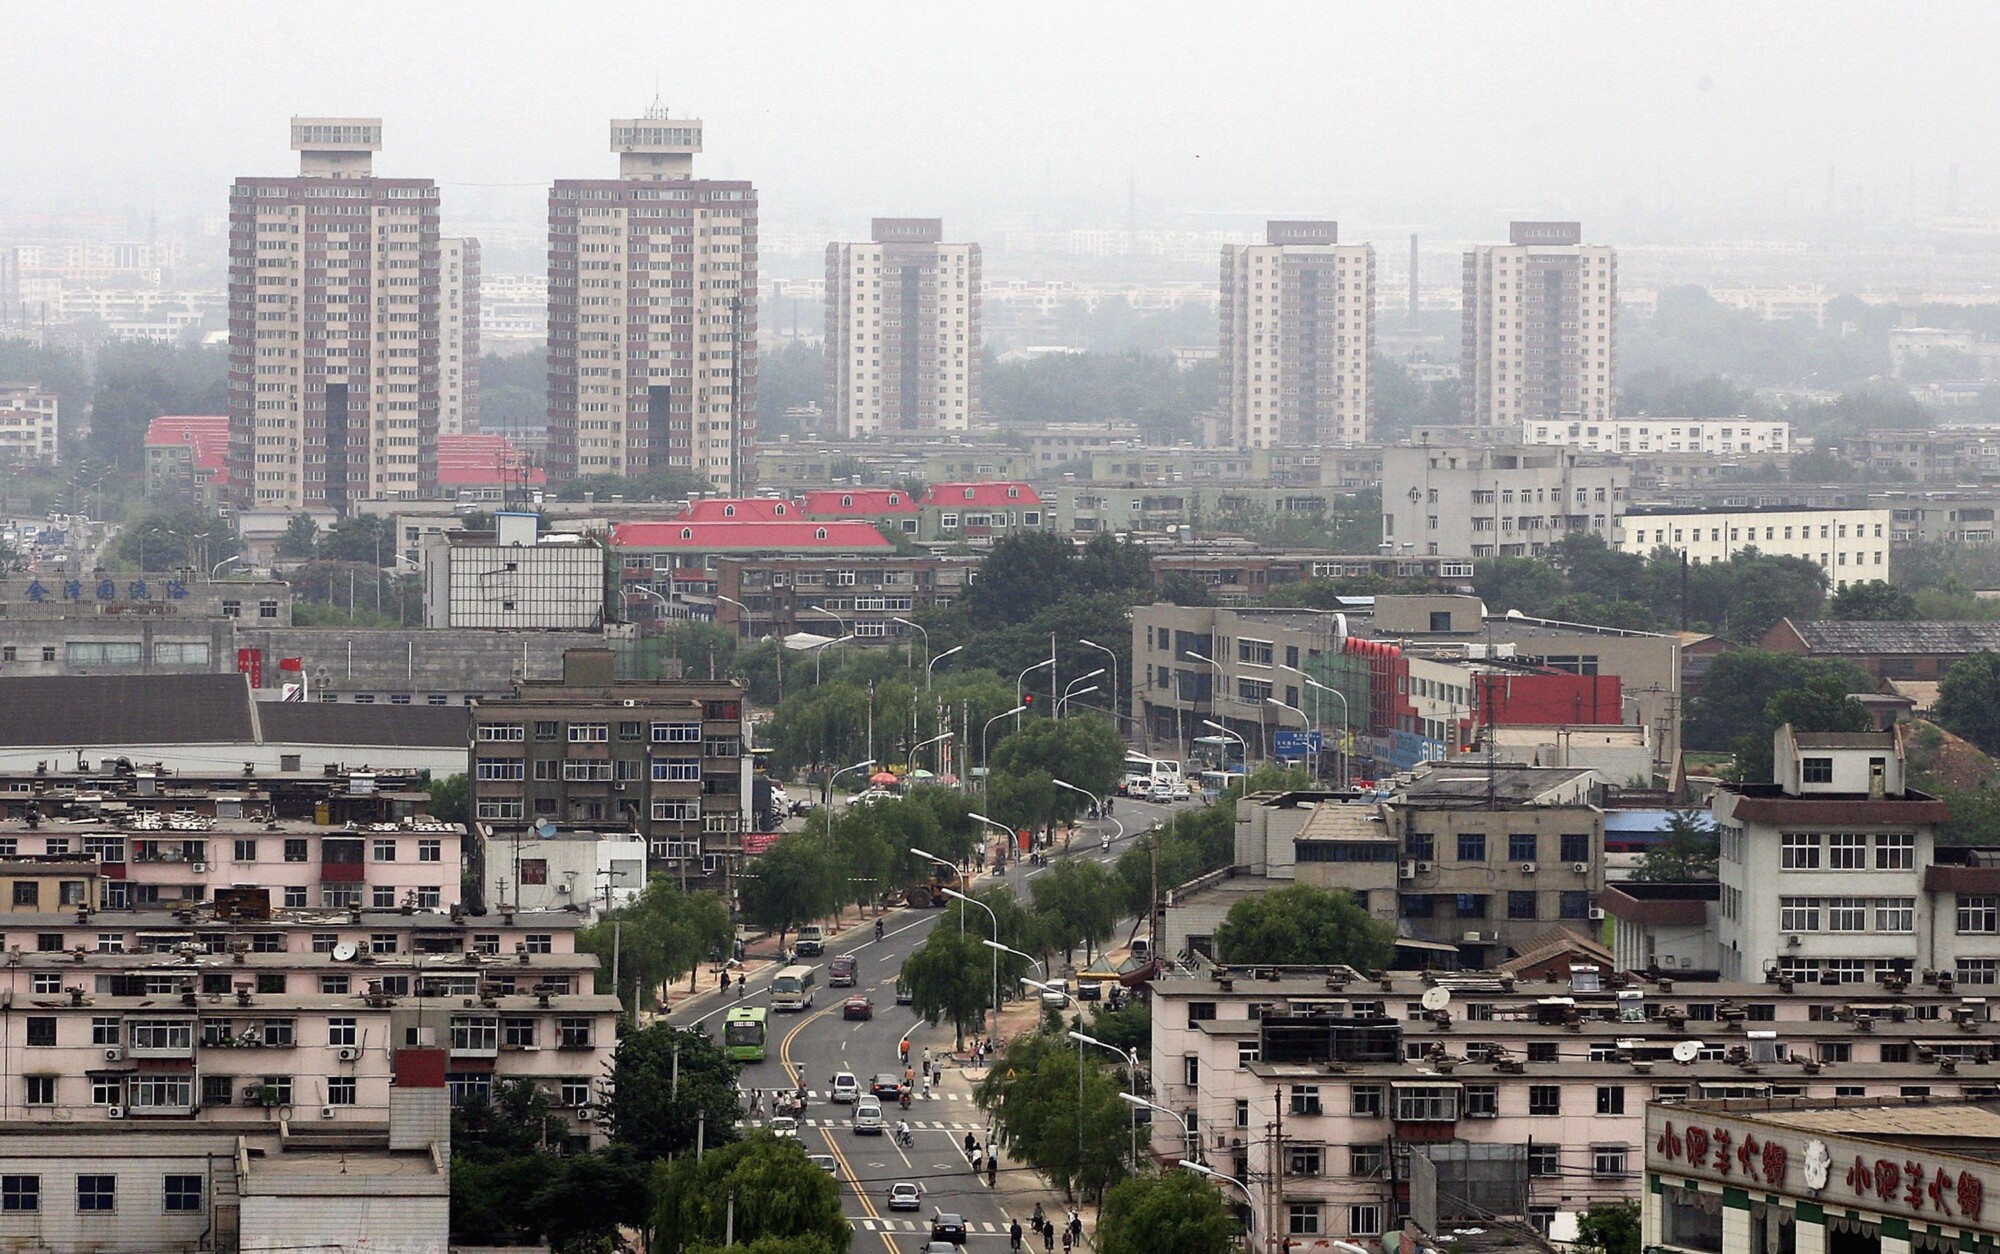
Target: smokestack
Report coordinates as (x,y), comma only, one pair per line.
(1413,276)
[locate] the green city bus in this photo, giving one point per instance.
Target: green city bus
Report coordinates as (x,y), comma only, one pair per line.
(743,1030)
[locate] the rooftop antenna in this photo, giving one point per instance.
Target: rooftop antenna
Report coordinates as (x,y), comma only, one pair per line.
(657,111)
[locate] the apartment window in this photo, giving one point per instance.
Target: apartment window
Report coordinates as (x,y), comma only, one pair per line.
(539,942)
(1799,914)
(41,1090)
(585,733)
(430,850)
(104,1030)
(382,942)
(1471,847)
(1846,914)
(182,1194)
(1544,1160)
(1607,1161)
(20,1193)
(96,1194)
(1976,971)
(295,897)
(1816,770)
(575,1093)
(1365,1101)
(1305,1099)
(342,1030)
(1364,1160)
(500,731)
(1895,914)
(1302,1219)
(1521,904)
(1575,847)
(1426,1103)
(1573,904)
(1482,1101)
(1836,1051)
(42,1030)
(1200,1012)
(677,733)
(1521,847)
(1896,851)
(1420,845)
(333,985)
(1545,1099)
(1610,1099)
(295,849)
(1300,1160)
(341,1090)
(1242,1112)
(1364,1219)
(573,1033)
(518,1033)
(1846,851)
(244,850)
(1800,851)
(1979,914)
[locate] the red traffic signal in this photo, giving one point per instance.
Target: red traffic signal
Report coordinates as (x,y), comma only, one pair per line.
(1028,699)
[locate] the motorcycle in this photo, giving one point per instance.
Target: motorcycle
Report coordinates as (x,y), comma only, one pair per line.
(878,929)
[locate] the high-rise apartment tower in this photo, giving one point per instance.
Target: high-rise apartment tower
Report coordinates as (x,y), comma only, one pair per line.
(653,314)
(458,328)
(902,330)
(1540,340)
(1298,324)
(333,327)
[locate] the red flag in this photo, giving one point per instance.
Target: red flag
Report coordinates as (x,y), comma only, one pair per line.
(291,664)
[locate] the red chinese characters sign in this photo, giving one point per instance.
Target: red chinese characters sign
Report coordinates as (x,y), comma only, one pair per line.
(1907,1182)
(1715,1149)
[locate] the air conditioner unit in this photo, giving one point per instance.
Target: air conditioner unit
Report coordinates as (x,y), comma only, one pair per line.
(349,1054)
(1597,913)
(1581,868)
(326,1112)
(563,888)
(1527,868)
(629,703)
(200,868)
(1474,938)
(1792,942)
(1408,871)
(114,1054)
(114,1112)
(1423,868)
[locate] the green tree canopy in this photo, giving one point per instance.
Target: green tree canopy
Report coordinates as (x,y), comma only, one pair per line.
(795,881)
(664,934)
(1874,601)
(1609,1228)
(776,1194)
(1740,684)
(1078,902)
(171,541)
(1032,1096)
(950,977)
(656,1115)
(1083,750)
(1688,851)
(1171,1212)
(1969,700)
(300,539)
(1304,925)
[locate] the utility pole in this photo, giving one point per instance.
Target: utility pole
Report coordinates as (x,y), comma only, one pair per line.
(729,1222)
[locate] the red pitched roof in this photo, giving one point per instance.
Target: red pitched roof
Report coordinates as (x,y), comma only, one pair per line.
(997,493)
(207,433)
(847,502)
(740,508)
(710,536)
(480,460)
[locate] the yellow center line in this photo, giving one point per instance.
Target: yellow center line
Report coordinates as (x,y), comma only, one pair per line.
(853,1176)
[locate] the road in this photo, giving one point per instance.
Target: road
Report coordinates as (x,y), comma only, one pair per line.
(807,1049)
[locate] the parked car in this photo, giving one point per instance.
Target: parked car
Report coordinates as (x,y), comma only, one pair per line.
(904,1195)
(858,1007)
(845,1087)
(868,1117)
(903,994)
(946,1226)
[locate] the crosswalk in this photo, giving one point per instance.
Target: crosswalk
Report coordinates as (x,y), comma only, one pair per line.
(917,1225)
(916,1125)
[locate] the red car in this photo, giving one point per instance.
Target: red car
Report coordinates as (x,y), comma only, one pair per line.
(858,1008)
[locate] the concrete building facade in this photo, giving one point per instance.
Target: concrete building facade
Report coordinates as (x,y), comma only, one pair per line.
(1848,545)
(902,330)
(1540,321)
(1719,436)
(653,314)
(1496,502)
(30,425)
(334,334)
(458,332)
(1298,325)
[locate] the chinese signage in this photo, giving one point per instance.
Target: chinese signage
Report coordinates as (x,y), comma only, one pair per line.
(105,589)
(1869,1175)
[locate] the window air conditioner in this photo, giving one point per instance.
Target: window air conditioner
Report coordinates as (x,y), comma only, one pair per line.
(1581,868)
(350,1054)
(114,1055)
(1527,868)
(114,1112)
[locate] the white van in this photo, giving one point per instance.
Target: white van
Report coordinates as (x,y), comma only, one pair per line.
(868,1117)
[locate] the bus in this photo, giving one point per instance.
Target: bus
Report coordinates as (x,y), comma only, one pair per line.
(793,988)
(743,1031)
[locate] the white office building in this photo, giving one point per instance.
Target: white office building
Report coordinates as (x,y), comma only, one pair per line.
(1495,502)
(1850,545)
(1721,436)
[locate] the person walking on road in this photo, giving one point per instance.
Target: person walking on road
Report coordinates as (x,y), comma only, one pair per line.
(1014,1236)
(1049,1237)
(1075,1227)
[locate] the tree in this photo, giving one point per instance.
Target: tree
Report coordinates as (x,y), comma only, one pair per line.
(663,934)
(773,1190)
(1739,686)
(1306,926)
(1173,1212)
(1077,902)
(451,799)
(361,538)
(170,541)
(1177,587)
(1609,1228)
(1688,851)
(1820,702)
(1517,583)
(300,539)
(1969,700)
(669,1085)
(1083,750)
(951,976)
(792,882)
(136,383)
(1058,1110)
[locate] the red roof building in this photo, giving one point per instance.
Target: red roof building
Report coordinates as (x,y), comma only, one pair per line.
(981,512)
(740,508)
(484,464)
(187,457)
(999,493)
(681,557)
(858,502)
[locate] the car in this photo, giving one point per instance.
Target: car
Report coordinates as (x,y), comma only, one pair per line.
(784,1126)
(888,1086)
(1056,994)
(826,1163)
(903,994)
(845,1088)
(1181,792)
(842,971)
(868,1117)
(939,1247)
(1160,793)
(857,1007)
(811,942)
(946,1226)
(906,1196)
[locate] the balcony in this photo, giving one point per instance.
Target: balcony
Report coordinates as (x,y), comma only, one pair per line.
(159,1038)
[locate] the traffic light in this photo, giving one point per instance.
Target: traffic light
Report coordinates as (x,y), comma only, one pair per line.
(1028,699)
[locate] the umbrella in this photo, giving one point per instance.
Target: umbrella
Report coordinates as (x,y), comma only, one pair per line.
(881,777)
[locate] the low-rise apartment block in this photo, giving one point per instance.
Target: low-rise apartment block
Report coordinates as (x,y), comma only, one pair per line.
(1496,502)
(187,460)
(513,578)
(1849,545)
(980,513)
(1719,436)
(30,426)
(863,595)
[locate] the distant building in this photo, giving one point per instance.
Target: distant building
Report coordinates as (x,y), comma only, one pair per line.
(1540,314)
(458,329)
(1073,444)
(980,513)
(1849,545)
(511,578)
(1718,436)
(187,459)
(653,272)
(1496,502)
(663,563)
(902,330)
(334,341)
(1894,650)
(30,431)
(478,468)
(1298,327)
(780,595)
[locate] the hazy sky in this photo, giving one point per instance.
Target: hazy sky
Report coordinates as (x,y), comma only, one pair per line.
(1003,112)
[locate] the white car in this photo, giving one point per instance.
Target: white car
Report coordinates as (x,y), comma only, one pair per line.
(868,1117)
(904,1195)
(1161,793)
(784,1126)
(845,1087)
(825,1162)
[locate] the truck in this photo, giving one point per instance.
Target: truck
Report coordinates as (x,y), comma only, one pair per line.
(812,941)
(928,891)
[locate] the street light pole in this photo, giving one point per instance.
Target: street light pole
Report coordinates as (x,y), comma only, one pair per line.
(1117,715)
(1317,686)
(927,639)
(952,892)
(1209,722)
(1215,694)
(1131,1061)
(1213,1174)
(820,648)
(826,791)
(1067,697)
(1188,1142)
(1312,757)
(930,667)
(1007,838)
(985,736)
(1022,678)
(912,764)
(214,570)
(1072,684)
(743,611)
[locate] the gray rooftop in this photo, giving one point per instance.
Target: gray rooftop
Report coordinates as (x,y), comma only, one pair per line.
(1923,637)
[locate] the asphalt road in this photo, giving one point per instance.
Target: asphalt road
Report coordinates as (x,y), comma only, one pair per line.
(808,1048)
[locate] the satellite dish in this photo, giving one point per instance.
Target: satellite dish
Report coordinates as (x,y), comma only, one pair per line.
(545,829)
(345,951)
(1687,1051)
(1435,998)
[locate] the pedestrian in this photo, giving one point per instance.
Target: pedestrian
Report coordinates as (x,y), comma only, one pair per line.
(971,1143)
(992,1169)
(1014,1236)
(755,1096)
(725,980)
(904,1049)
(1069,1241)
(1075,1226)
(977,1154)
(1049,1237)
(927,1058)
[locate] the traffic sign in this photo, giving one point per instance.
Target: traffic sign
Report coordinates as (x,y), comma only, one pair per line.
(1295,744)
